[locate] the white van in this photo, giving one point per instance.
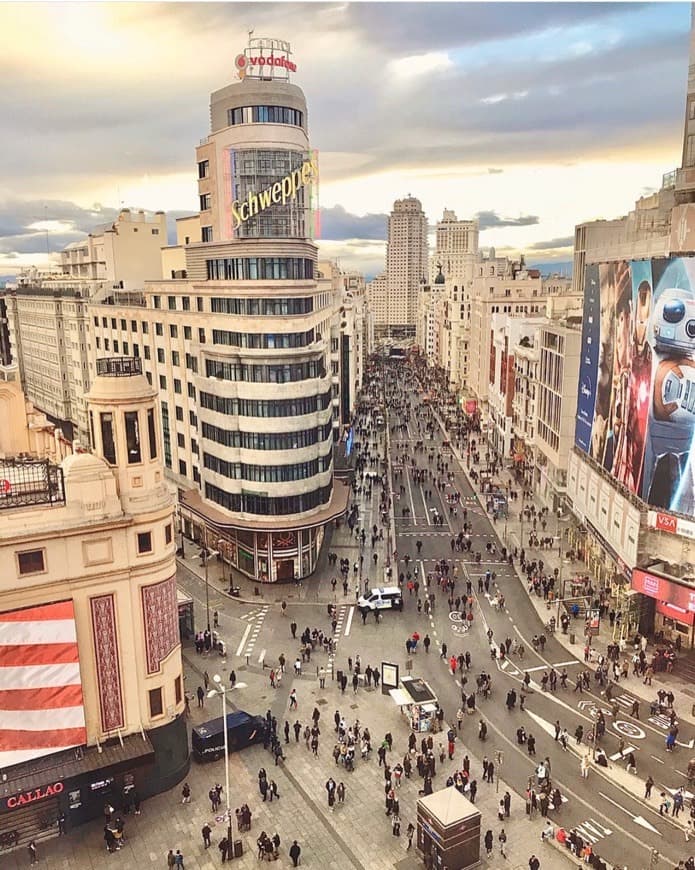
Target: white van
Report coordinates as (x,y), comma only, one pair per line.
(388,597)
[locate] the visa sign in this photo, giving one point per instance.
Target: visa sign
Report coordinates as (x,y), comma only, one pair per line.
(670,524)
(276,194)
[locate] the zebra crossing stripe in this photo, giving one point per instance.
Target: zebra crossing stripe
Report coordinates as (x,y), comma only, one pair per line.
(593,830)
(624,753)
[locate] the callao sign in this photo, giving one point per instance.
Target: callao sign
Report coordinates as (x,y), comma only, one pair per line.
(36,794)
(276,194)
(265,59)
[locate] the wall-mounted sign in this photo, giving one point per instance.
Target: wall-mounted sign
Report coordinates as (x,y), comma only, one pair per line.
(278,193)
(36,794)
(664,590)
(670,524)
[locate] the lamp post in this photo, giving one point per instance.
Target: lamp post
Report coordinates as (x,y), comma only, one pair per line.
(221,691)
(206,558)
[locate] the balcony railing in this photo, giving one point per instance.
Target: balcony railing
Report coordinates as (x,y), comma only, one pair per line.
(119,366)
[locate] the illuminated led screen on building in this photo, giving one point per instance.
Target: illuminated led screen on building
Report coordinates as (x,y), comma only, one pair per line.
(636,402)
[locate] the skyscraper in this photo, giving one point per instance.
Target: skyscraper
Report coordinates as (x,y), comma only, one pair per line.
(239,340)
(406,266)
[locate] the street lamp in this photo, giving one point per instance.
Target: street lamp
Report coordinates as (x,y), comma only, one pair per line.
(221,691)
(206,557)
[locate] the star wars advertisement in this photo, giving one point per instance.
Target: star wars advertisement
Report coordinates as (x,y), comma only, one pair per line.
(636,402)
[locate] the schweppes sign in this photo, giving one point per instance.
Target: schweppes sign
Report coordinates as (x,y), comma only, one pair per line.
(276,194)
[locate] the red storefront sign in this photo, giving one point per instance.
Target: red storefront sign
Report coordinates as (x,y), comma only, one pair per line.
(36,794)
(666,523)
(471,406)
(666,591)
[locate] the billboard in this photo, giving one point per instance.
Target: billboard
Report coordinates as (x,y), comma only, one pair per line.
(636,397)
(673,594)
(41,705)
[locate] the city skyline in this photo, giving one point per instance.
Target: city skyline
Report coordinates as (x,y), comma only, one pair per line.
(546,115)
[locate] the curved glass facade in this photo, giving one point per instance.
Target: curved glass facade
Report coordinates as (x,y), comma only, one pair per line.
(269,473)
(260,269)
(281,373)
(265,115)
(266,407)
(262,307)
(268,440)
(256,340)
(251,503)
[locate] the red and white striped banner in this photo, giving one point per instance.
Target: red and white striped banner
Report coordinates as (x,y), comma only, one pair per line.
(41,704)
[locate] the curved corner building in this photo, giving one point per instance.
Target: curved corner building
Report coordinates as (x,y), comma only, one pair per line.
(264,390)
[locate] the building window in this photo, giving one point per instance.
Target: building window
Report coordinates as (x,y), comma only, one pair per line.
(145,327)
(144,542)
(191,391)
(155,232)
(173,330)
(181,439)
(206,234)
(203,168)
(158,329)
(157,301)
(31,562)
(156,703)
(132,436)
(108,444)
(178,695)
(162,382)
(152,433)
(171,302)
(160,354)
(182,468)
(186,303)
(187,331)
(166,437)
(175,359)
(201,335)
(168,535)
(205,201)
(177,385)
(146,349)
(179,413)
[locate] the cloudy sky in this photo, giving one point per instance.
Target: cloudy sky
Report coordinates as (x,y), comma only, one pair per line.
(533,116)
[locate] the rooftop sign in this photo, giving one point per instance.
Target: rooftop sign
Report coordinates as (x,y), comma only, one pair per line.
(267,59)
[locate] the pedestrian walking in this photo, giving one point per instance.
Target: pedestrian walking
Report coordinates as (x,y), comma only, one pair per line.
(293,699)
(186,794)
(648,785)
(33,855)
(410,832)
(295,852)
(488,842)
(584,766)
(200,692)
(206,831)
(502,839)
(534,863)
(178,860)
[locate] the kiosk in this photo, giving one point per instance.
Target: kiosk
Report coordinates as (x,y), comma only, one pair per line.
(448,830)
(418,703)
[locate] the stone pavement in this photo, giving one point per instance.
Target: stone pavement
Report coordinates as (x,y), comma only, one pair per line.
(356,835)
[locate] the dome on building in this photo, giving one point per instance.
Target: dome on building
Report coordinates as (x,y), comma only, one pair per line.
(83,466)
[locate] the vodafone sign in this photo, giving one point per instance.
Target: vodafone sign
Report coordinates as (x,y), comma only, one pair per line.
(265,59)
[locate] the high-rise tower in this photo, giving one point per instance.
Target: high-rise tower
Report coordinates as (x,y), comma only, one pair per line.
(406,265)
(242,337)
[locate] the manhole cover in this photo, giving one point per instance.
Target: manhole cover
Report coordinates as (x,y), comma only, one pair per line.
(354,706)
(322,701)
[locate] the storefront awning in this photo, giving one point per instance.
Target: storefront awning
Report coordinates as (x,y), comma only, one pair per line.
(65,765)
(400,697)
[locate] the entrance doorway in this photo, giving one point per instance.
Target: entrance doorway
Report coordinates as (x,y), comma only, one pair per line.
(285,569)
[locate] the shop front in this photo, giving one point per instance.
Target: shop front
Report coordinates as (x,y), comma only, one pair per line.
(269,550)
(77,784)
(418,704)
(671,616)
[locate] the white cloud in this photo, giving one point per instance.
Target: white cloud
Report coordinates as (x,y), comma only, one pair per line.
(420,64)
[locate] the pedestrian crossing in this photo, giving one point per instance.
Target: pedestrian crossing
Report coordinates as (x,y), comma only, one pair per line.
(256,626)
(592,830)
(340,620)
